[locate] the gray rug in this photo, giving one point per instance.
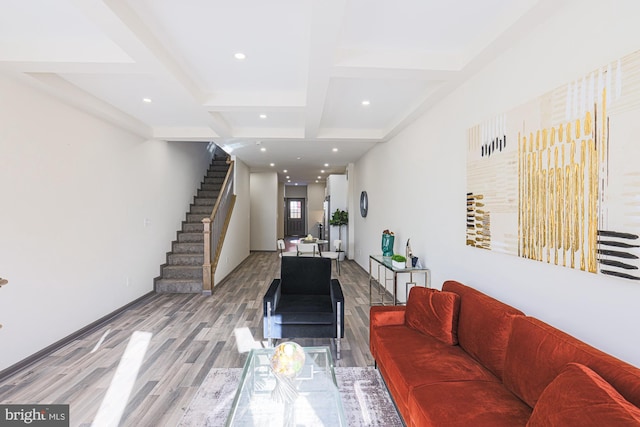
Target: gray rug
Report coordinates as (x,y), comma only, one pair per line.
(365,399)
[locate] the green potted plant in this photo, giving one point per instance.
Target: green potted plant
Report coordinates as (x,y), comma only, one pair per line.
(339,219)
(398,261)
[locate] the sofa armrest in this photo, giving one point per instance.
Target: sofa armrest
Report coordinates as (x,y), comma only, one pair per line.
(386,315)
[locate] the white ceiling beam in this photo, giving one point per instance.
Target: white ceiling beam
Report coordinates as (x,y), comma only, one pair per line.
(391,73)
(516,31)
(203,134)
(255,100)
(363,135)
(325,28)
(76,97)
(269,133)
(129,32)
(401,59)
(73,67)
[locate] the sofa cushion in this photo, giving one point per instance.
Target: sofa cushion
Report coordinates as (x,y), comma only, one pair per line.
(408,358)
(484,325)
(537,352)
(578,397)
(466,403)
(434,313)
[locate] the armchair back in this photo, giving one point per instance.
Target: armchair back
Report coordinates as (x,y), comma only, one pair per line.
(305,276)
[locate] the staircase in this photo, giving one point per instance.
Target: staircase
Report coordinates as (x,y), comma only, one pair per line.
(182,272)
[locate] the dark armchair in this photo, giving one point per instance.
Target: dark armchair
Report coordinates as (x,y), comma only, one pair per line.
(305,302)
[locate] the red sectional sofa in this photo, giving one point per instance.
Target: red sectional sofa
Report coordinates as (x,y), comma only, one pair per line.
(458,357)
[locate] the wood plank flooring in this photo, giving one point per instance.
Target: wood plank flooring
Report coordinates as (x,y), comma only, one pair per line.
(190,335)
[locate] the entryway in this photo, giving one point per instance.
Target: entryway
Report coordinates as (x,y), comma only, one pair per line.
(295,217)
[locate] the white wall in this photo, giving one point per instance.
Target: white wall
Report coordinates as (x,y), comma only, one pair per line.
(337,189)
(74,195)
(353,207)
(281,212)
(236,243)
(315,211)
(264,211)
(430,155)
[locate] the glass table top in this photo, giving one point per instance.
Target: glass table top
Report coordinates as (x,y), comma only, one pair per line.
(309,398)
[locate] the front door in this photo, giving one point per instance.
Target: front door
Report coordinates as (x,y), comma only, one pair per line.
(295,217)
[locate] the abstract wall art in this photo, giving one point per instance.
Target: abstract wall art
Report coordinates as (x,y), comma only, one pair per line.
(557,179)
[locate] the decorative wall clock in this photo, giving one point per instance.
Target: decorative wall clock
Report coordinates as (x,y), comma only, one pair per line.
(364,204)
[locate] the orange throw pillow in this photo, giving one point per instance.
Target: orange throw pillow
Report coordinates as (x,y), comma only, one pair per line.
(579,397)
(434,313)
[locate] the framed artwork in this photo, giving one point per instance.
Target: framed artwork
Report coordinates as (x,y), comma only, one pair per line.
(557,179)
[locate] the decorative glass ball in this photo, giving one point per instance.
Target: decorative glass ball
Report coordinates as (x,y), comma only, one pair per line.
(288,359)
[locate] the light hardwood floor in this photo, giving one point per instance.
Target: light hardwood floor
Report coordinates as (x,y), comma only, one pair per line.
(190,335)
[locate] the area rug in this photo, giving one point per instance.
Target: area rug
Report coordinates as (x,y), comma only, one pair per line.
(365,399)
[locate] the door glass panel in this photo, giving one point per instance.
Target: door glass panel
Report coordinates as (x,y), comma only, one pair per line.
(295,209)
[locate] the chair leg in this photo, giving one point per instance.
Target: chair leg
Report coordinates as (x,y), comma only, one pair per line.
(269,334)
(339,329)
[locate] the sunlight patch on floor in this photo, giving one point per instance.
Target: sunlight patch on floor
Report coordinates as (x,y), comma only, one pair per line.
(245,341)
(100,341)
(115,401)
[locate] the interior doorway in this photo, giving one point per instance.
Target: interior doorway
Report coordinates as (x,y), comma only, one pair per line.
(295,217)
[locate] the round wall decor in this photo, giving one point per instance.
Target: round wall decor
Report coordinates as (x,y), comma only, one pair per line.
(364,204)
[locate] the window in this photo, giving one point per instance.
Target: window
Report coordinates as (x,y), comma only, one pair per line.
(295,209)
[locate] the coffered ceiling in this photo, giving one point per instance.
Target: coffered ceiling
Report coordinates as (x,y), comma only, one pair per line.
(321,81)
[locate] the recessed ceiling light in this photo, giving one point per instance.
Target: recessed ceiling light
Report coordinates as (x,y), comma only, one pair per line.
(263,149)
(334,150)
(288,180)
(285,171)
(240,56)
(326,165)
(147,100)
(298,158)
(322,171)
(272,164)
(296,183)
(263,116)
(316,181)
(319,177)
(366,103)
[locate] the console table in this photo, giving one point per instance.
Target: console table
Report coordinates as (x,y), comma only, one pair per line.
(383,263)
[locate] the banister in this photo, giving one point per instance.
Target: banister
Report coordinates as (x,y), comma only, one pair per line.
(224,186)
(215,228)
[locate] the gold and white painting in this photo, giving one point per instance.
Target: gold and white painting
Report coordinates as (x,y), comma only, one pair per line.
(557,180)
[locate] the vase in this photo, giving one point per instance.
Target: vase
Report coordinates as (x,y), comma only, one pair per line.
(387,244)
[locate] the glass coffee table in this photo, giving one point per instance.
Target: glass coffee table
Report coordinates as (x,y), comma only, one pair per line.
(309,398)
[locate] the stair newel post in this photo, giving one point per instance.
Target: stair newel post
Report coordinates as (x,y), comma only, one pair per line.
(207,280)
